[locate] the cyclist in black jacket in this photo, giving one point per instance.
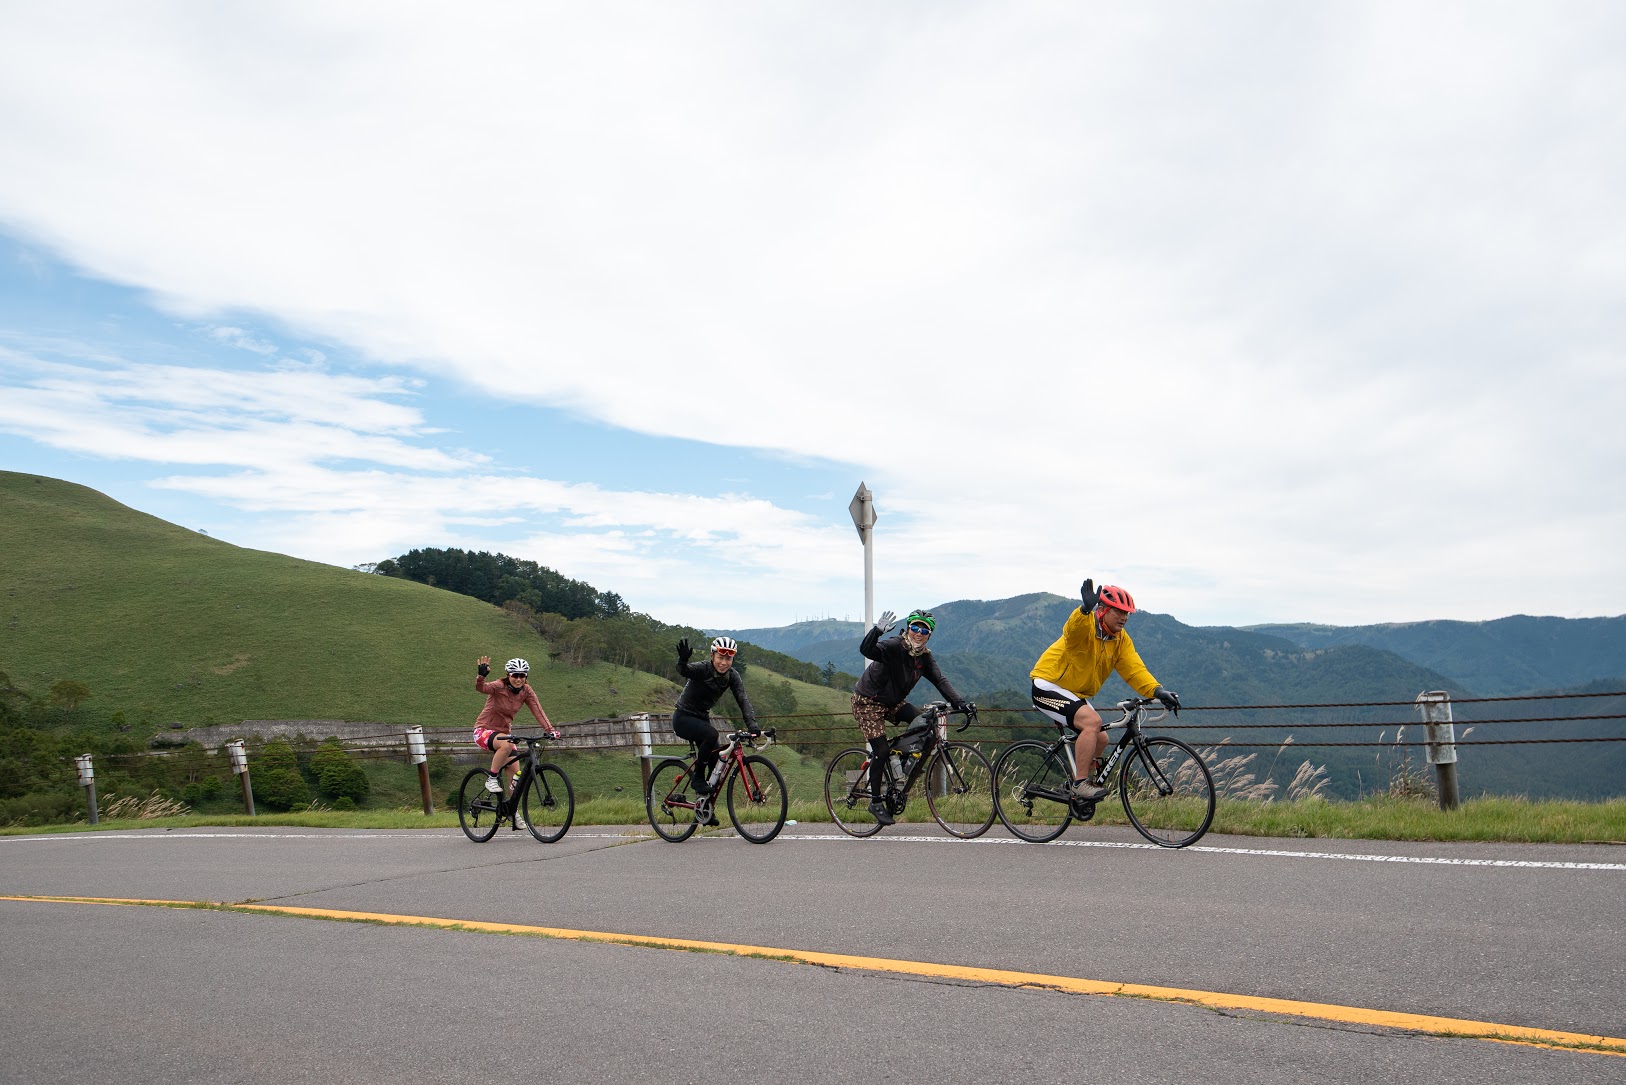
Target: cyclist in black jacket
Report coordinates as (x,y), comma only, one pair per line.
(707,682)
(896,664)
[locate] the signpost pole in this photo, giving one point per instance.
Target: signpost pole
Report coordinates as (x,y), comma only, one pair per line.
(863,514)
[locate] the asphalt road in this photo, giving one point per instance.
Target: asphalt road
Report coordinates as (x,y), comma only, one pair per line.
(1514,934)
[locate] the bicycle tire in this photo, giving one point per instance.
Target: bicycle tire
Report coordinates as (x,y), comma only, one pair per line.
(961,772)
(1167,792)
(479,811)
(549,794)
(847,795)
(1023,769)
(762,797)
(669,782)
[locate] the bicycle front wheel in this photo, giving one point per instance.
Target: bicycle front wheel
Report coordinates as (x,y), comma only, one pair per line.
(847,795)
(1030,791)
(960,789)
(1167,792)
(550,803)
(670,801)
(478,810)
(757,802)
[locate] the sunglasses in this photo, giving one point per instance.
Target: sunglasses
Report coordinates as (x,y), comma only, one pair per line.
(724,652)
(920,627)
(518,674)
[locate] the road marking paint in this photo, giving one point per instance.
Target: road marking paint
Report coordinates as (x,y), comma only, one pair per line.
(896,838)
(1357,1015)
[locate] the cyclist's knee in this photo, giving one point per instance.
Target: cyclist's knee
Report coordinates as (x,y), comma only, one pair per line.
(1084,718)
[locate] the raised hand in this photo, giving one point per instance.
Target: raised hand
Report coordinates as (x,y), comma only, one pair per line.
(684,651)
(1091,597)
(887,620)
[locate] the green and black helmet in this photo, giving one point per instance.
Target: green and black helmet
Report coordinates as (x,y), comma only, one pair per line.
(923,617)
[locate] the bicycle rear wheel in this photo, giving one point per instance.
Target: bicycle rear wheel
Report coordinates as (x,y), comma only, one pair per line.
(757,802)
(478,810)
(847,795)
(670,801)
(550,803)
(1167,792)
(1030,791)
(959,786)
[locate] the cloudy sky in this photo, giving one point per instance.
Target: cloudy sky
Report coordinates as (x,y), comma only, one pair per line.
(1267,311)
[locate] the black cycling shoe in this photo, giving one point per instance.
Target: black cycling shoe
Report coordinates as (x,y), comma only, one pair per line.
(882,814)
(700,784)
(712,822)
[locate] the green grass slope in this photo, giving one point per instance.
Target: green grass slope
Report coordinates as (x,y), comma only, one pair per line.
(163,624)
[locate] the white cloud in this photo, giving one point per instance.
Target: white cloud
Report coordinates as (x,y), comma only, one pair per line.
(1278,312)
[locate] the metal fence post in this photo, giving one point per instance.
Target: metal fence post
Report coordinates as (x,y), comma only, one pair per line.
(1440,735)
(646,747)
(239,765)
(87,780)
(420,757)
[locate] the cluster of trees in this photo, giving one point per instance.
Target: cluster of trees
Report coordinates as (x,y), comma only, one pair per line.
(289,774)
(499,579)
(583,625)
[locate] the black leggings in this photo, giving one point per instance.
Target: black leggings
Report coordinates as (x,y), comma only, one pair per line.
(698,730)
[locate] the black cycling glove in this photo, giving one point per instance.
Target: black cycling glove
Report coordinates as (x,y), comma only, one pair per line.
(684,651)
(1169,698)
(1091,597)
(485,669)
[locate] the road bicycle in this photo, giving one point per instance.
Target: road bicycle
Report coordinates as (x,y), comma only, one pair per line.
(542,793)
(955,776)
(753,785)
(1164,785)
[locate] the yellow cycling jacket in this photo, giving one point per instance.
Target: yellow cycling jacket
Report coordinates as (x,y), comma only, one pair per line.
(1081,661)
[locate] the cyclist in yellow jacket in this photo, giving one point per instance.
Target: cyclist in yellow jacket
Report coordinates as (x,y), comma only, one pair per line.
(1092,645)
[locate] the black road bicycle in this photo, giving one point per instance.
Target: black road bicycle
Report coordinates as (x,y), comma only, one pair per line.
(542,795)
(1166,789)
(955,776)
(753,785)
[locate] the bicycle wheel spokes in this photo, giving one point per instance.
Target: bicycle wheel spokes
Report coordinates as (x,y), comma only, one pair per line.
(959,786)
(550,803)
(669,800)
(1030,791)
(847,795)
(1167,792)
(478,810)
(757,802)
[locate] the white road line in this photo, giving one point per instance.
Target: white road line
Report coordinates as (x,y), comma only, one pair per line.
(896,838)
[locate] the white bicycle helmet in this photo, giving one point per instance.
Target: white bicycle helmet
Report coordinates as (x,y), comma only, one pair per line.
(725,644)
(517,666)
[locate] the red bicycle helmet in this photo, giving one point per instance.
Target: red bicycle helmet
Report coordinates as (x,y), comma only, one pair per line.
(1113,596)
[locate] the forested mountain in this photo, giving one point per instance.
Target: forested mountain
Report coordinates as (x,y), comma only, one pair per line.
(1509,655)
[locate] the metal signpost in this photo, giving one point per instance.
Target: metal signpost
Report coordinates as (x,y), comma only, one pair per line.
(863,513)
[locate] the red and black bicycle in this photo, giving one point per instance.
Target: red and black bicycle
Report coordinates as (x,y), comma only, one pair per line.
(751,784)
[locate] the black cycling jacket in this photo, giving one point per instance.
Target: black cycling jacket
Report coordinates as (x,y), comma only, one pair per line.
(893,672)
(705,687)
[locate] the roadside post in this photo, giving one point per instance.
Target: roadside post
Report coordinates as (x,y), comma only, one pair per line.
(1440,735)
(864,517)
(87,780)
(239,765)
(646,748)
(420,757)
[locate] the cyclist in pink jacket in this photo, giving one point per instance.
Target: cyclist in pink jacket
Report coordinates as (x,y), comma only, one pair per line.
(503,702)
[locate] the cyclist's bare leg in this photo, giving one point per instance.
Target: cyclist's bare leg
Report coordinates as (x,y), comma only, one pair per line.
(1092,740)
(501,750)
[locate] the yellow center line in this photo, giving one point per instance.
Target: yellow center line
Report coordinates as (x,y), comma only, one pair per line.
(1357,1015)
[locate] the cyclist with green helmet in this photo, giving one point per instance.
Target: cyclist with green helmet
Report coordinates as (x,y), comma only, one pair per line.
(880,697)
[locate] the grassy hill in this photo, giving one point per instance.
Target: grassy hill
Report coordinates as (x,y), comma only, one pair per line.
(167,624)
